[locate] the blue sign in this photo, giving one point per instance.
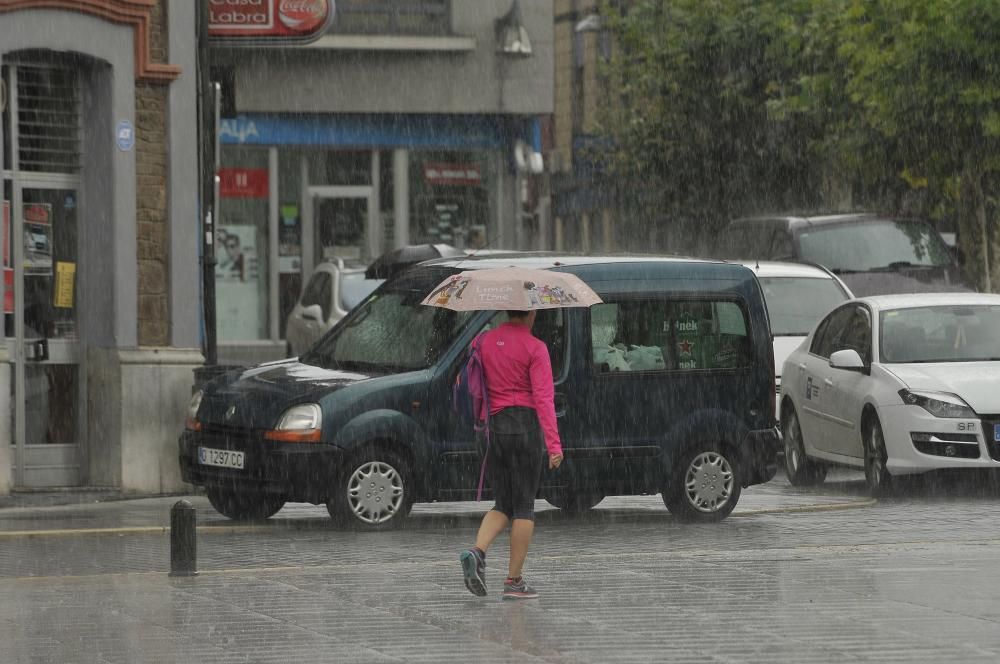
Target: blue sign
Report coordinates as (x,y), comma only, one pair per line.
(125,135)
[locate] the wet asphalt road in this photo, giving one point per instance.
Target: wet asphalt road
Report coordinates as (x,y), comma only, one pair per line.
(791,577)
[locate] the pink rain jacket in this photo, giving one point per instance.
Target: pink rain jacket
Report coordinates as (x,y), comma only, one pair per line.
(519,373)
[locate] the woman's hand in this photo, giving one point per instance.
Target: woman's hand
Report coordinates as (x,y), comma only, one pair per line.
(555,460)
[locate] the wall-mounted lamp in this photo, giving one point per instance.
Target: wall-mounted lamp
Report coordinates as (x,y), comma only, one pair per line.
(512,37)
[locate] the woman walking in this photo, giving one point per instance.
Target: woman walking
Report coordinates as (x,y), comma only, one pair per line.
(518,376)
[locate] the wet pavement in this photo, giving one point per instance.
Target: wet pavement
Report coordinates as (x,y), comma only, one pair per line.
(815,575)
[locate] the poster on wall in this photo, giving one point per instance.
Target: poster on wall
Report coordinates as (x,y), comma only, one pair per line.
(289,241)
(38,238)
(237,291)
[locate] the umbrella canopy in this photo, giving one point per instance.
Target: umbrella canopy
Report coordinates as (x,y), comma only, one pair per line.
(392,262)
(511,288)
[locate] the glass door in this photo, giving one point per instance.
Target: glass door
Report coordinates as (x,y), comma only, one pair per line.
(40,251)
(340,226)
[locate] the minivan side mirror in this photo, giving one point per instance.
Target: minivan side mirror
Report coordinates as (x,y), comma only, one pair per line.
(313,312)
(847,359)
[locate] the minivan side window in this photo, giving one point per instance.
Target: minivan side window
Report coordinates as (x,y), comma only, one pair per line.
(668,335)
(318,291)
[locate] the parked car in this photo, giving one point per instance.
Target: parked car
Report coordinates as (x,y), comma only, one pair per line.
(896,385)
(333,290)
(872,254)
(798,295)
(363,420)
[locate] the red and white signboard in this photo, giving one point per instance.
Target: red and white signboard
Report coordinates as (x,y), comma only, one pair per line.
(268,21)
(452,174)
(243,183)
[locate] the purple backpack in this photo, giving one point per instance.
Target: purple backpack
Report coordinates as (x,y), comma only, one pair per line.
(471,400)
(469,396)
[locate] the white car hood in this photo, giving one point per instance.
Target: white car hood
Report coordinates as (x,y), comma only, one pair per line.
(978,383)
(783,347)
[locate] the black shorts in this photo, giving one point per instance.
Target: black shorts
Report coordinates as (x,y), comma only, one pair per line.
(514,461)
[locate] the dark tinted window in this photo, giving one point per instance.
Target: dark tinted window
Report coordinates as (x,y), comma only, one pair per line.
(760,240)
(822,343)
(847,328)
(665,335)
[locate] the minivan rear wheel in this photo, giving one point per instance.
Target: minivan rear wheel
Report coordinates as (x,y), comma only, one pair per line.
(243,505)
(574,502)
(704,485)
(374,491)
(799,469)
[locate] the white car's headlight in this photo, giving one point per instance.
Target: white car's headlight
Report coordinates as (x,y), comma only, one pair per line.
(299,424)
(194,404)
(938,404)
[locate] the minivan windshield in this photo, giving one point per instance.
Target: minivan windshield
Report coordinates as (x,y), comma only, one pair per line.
(873,245)
(795,304)
(949,333)
(391,331)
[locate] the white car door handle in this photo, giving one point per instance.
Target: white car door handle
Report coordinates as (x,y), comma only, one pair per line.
(828,382)
(802,366)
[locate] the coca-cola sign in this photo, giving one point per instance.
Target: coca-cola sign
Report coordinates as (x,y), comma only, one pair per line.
(254,22)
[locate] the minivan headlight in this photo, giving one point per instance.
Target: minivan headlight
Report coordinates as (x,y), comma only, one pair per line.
(938,404)
(194,404)
(300,424)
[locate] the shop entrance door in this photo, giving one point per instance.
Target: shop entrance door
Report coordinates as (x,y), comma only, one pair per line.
(340,223)
(41,245)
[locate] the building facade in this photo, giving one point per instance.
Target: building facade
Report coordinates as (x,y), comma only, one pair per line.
(583,197)
(405,122)
(100,241)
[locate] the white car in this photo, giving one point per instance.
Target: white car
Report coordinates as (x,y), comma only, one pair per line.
(896,385)
(797,296)
(333,290)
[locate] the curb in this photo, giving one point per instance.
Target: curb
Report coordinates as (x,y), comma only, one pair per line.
(242,529)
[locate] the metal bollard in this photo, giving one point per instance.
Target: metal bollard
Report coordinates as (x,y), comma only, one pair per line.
(183,543)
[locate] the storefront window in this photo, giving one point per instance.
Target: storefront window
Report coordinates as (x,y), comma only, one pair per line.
(451,201)
(241,274)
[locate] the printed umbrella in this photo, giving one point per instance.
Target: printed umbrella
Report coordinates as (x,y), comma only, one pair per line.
(511,288)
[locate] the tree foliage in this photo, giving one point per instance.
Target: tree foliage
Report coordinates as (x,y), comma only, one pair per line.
(729,107)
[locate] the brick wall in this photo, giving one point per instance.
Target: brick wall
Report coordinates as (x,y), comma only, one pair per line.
(151,193)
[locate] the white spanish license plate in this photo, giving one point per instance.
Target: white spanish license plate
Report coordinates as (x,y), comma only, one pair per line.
(222,458)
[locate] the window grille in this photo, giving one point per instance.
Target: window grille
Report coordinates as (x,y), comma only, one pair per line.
(48,118)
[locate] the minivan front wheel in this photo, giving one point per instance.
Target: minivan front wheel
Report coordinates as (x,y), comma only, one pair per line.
(374,491)
(574,502)
(243,505)
(705,485)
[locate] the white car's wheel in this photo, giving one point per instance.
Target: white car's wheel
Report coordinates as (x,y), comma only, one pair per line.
(799,469)
(877,476)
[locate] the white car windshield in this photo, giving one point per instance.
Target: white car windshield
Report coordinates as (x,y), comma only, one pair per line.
(872,246)
(948,333)
(795,304)
(354,288)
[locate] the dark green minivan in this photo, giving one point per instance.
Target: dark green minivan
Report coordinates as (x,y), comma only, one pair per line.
(667,387)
